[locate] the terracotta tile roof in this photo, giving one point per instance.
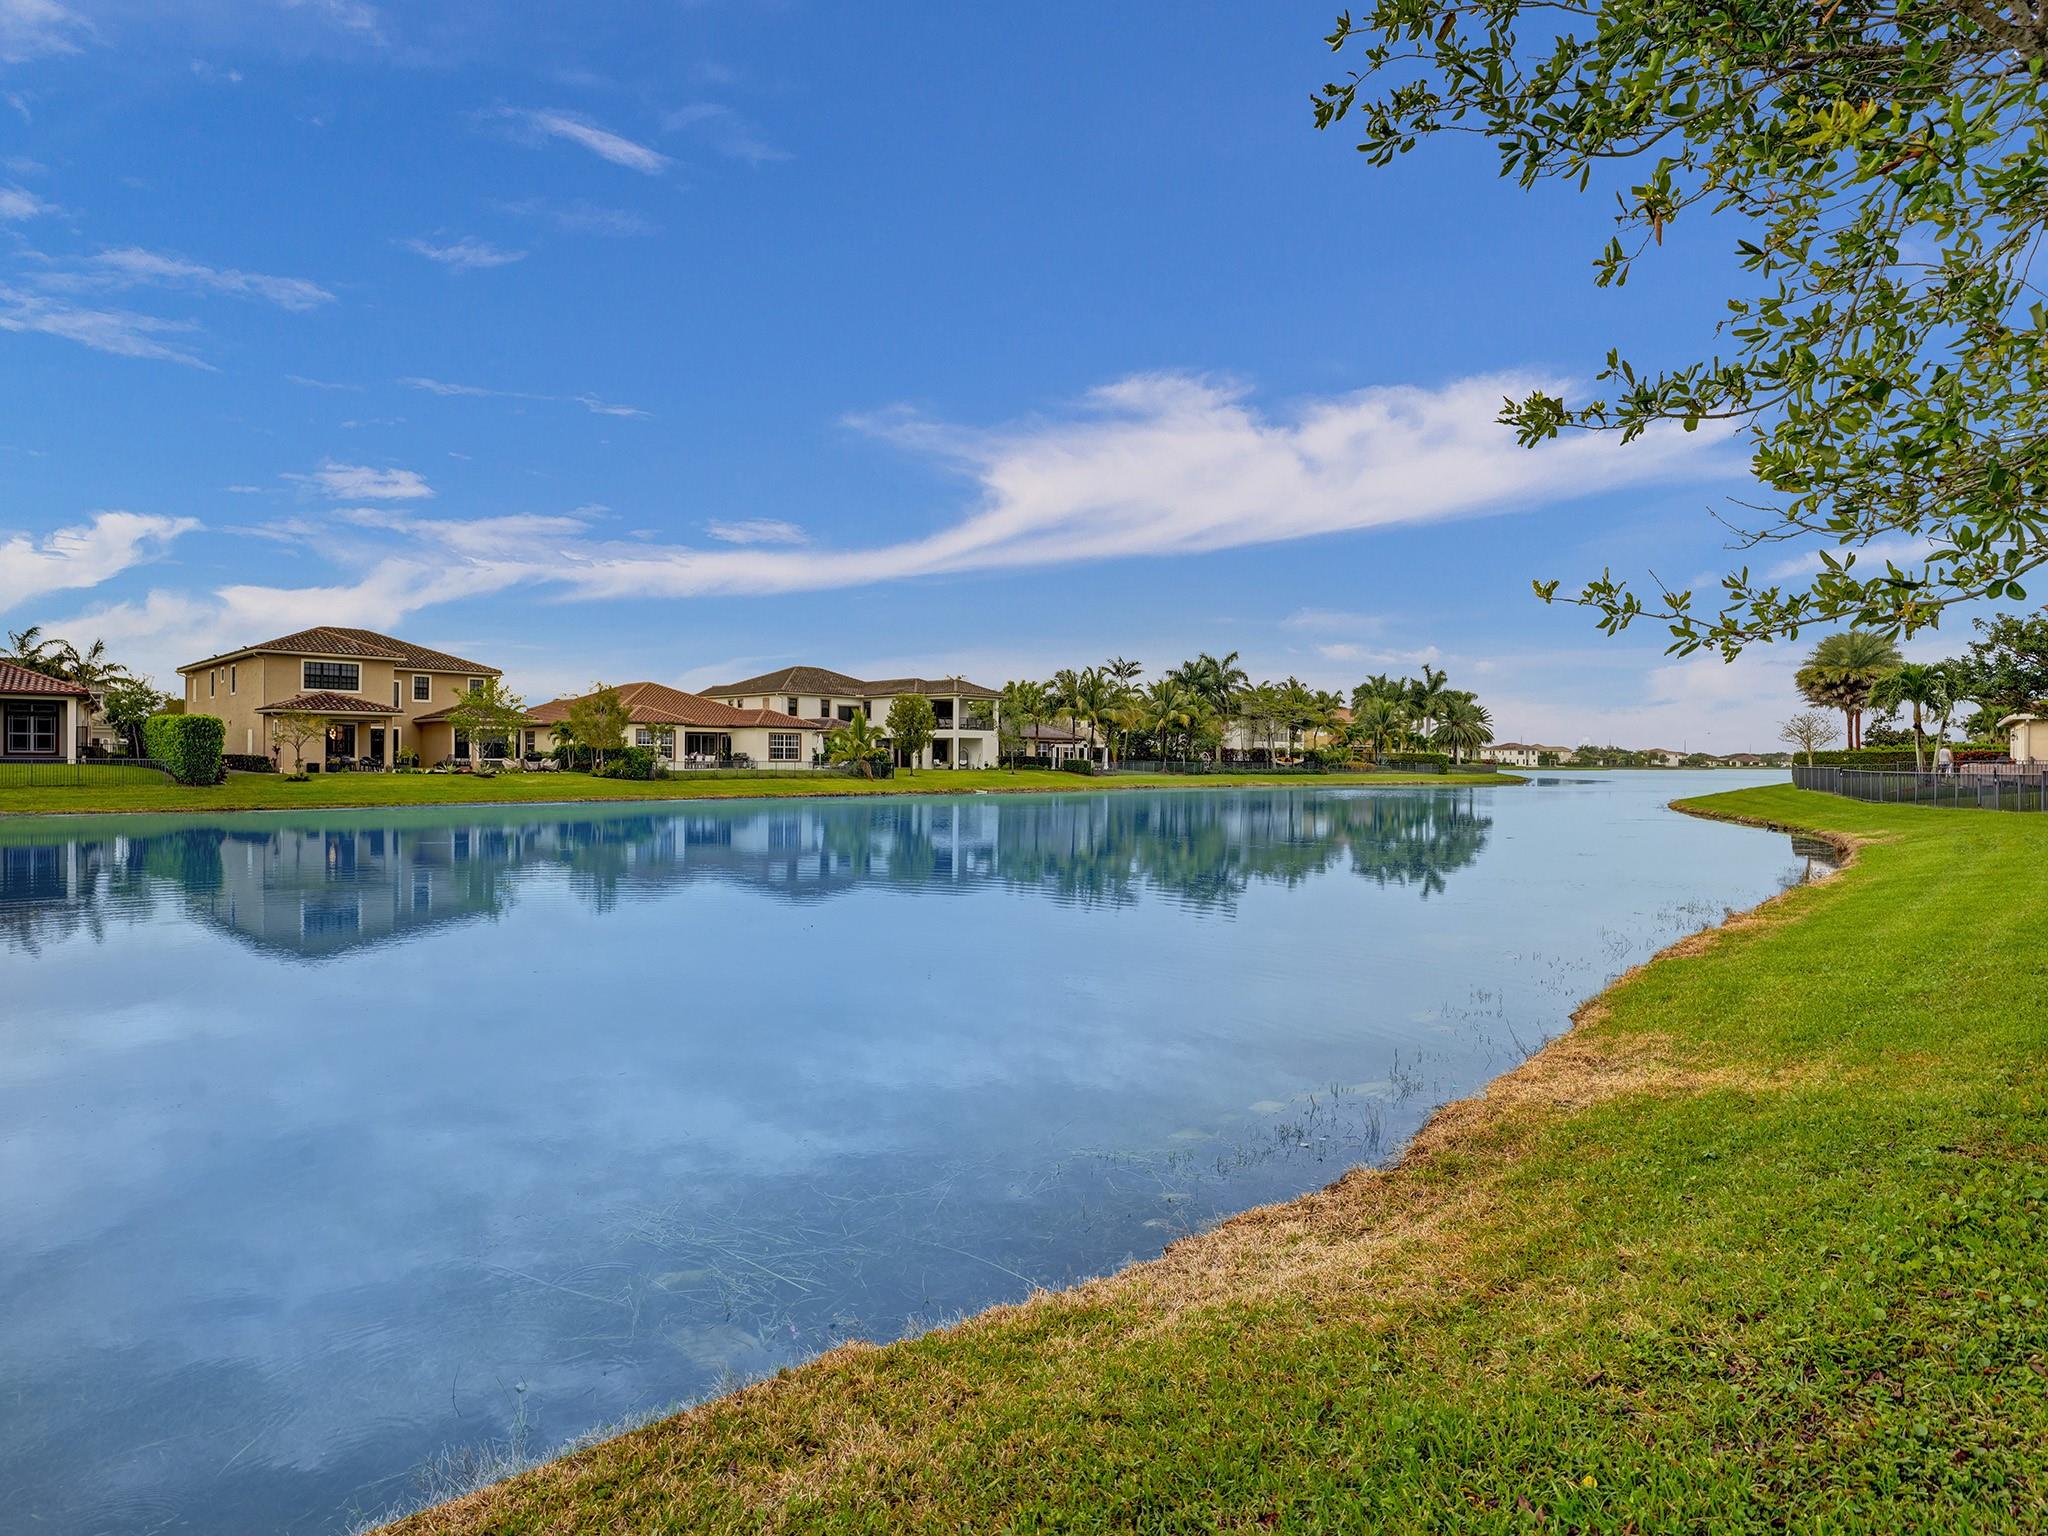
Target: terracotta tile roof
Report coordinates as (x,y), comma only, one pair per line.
(328,704)
(14,679)
(658,704)
(368,644)
(824,683)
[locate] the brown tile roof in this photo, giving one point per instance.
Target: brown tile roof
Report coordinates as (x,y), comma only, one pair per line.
(14,679)
(368,644)
(658,704)
(328,704)
(824,683)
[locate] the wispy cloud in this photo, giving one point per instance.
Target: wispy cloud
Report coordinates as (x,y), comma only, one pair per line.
(467,254)
(592,403)
(581,218)
(121,332)
(84,555)
(305,383)
(33,29)
(726,131)
(17,203)
(574,128)
(757,530)
(354,17)
(361,482)
(133,267)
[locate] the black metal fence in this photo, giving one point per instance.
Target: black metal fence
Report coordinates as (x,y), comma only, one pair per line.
(86,773)
(2011,788)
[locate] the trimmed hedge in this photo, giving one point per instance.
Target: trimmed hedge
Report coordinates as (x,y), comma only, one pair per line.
(1416,762)
(242,762)
(1079,765)
(188,746)
(629,763)
(1864,757)
(1979,754)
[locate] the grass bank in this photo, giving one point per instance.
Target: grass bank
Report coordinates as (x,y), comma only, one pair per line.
(1762,1243)
(273,792)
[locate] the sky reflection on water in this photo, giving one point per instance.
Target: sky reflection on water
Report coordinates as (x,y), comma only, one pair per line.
(331,1141)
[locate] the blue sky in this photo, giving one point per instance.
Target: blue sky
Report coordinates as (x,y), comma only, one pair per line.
(680,340)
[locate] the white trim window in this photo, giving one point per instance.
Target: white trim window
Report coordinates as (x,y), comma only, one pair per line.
(476,684)
(331,676)
(422,688)
(785,747)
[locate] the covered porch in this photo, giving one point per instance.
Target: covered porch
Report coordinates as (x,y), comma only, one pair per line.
(351,735)
(42,719)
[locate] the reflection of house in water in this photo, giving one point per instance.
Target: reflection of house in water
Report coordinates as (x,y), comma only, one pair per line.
(313,887)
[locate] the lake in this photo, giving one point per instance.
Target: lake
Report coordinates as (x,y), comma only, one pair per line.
(344,1155)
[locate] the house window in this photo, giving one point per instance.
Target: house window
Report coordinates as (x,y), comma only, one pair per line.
(784,746)
(32,730)
(643,737)
(476,685)
(845,712)
(232,669)
(824,709)
(792,706)
(422,687)
(212,681)
(331,677)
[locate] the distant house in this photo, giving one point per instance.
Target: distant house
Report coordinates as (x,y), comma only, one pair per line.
(1055,744)
(1745,760)
(42,719)
(382,698)
(1526,754)
(2029,738)
(687,729)
(966,712)
(1664,757)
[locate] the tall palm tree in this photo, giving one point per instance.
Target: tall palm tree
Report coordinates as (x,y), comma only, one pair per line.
(1122,672)
(1919,684)
(1464,725)
(30,649)
(1065,691)
(89,668)
(1380,723)
(1842,670)
(1426,697)
(1024,704)
(1171,708)
(1094,697)
(1217,681)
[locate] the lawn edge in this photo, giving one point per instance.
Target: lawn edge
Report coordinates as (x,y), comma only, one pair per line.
(1478,1123)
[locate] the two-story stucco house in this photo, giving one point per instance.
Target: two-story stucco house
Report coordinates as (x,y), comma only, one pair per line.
(966,712)
(383,698)
(688,730)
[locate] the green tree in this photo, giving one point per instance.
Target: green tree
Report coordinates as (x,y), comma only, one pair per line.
(1380,722)
(1842,670)
(31,649)
(1918,684)
(1426,695)
(597,722)
(2007,665)
(489,712)
(1463,724)
(90,668)
(912,724)
(294,728)
(127,703)
(856,744)
(1024,704)
(1883,171)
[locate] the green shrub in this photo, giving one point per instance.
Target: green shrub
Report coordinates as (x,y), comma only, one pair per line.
(1416,762)
(189,746)
(629,763)
(1864,757)
(1079,765)
(242,762)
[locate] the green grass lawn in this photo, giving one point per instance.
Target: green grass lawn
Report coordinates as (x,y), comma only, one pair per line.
(273,792)
(1762,1244)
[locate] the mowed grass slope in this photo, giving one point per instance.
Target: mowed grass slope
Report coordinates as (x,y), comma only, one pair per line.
(138,790)
(1761,1244)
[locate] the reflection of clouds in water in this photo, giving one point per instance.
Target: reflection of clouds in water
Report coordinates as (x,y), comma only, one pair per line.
(454,1117)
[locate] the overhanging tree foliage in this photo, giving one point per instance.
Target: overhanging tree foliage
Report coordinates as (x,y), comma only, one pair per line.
(1885,160)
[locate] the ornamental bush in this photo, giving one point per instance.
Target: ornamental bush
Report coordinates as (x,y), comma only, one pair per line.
(188,746)
(1416,762)
(1864,757)
(629,763)
(1079,765)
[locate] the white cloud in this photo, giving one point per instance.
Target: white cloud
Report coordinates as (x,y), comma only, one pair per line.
(1904,553)
(467,254)
(84,555)
(599,407)
(31,29)
(360,482)
(590,403)
(131,266)
(121,332)
(757,530)
(301,380)
(579,217)
(574,128)
(727,132)
(17,203)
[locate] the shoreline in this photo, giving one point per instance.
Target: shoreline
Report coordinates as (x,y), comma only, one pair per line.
(1386,1210)
(751,790)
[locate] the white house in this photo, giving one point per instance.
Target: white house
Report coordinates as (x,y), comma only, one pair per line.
(1524,754)
(965,712)
(2029,737)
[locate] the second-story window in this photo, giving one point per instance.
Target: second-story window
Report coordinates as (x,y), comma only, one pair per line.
(331,677)
(476,685)
(792,706)
(422,687)
(394,693)
(231,677)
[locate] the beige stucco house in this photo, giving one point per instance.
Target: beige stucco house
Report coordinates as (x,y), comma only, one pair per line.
(42,719)
(966,712)
(689,730)
(2029,738)
(382,697)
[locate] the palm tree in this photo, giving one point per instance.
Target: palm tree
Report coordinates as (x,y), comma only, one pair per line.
(1916,683)
(1426,696)
(856,744)
(1841,672)
(1094,697)
(27,648)
(1121,671)
(1065,692)
(1171,707)
(1024,704)
(1217,681)
(1464,724)
(1380,723)
(89,668)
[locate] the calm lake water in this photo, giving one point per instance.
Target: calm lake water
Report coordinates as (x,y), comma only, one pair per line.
(339,1151)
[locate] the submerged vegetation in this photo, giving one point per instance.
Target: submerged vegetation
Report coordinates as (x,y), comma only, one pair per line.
(1741,1251)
